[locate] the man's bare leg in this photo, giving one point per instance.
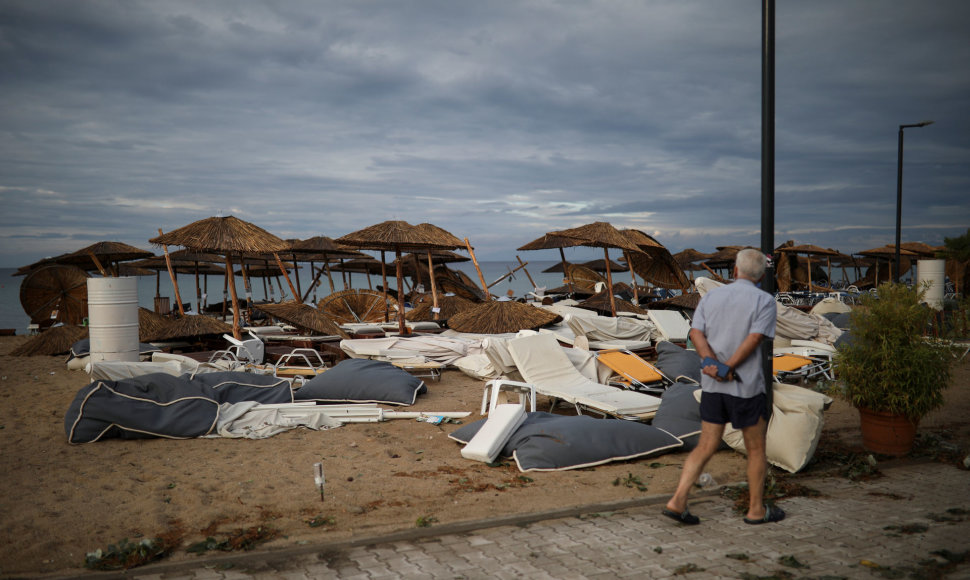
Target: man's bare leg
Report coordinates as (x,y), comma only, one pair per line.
(754,444)
(708,443)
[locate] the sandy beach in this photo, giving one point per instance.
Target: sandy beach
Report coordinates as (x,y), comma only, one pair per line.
(61,501)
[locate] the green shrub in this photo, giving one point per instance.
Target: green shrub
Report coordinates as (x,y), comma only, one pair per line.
(889,365)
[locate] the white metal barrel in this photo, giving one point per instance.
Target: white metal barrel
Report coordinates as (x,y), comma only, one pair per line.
(113,318)
(932,272)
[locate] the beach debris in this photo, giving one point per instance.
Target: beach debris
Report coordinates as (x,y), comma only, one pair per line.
(321,520)
(791,562)
(631,481)
(318,478)
(246,539)
(125,554)
(426,521)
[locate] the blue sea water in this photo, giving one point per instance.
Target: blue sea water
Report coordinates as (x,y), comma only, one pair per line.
(12,314)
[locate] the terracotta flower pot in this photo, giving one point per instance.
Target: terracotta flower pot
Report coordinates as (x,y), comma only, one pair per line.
(887,433)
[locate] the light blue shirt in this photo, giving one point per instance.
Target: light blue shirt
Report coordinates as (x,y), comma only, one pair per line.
(727,315)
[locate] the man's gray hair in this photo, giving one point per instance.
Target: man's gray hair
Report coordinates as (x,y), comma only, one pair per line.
(751,263)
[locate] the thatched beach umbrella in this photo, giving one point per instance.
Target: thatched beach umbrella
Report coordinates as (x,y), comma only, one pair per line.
(888,253)
(550,241)
(501,317)
(191,326)
(54,341)
(808,250)
(448,306)
(687,259)
(354,306)
(401,236)
(601,302)
(225,235)
(151,324)
(320,249)
(654,263)
(55,293)
(601,235)
(95,256)
(304,317)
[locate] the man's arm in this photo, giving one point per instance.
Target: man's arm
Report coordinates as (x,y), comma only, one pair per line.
(747,348)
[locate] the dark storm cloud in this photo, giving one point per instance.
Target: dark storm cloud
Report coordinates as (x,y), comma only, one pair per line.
(498,121)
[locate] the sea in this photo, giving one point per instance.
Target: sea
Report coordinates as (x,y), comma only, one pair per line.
(13,316)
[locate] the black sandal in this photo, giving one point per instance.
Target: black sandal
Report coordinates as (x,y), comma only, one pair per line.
(772,514)
(685,517)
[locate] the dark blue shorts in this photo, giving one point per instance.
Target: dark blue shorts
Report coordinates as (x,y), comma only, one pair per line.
(720,409)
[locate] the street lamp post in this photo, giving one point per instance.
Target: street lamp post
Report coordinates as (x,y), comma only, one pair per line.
(899,193)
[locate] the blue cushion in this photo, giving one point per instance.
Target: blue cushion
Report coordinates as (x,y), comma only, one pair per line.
(359,380)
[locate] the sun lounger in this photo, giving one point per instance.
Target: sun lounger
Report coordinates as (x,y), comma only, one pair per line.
(819,353)
(542,362)
(671,325)
(788,367)
(633,372)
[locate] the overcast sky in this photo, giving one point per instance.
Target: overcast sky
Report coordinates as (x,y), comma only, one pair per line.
(496,120)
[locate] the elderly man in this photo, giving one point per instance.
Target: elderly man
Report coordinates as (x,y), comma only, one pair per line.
(729,324)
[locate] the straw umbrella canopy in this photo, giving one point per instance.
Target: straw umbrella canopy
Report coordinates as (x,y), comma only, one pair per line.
(55,293)
(601,235)
(151,323)
(598,265)
(922,249)
(227,236)
(501,317)
(654,263)
(401,236)
(887,252)
(600,302)
(448,306)
(552,240)
(321,249)
(304,317)
(97,255)
(57,340)
(687,259)
(808,250)
(354,306)
(191,326)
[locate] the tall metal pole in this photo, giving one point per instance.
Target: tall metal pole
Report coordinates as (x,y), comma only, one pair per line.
(899,193)
(768,174)
(899,203)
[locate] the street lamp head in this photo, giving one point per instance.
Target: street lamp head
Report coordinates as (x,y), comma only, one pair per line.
(920,124)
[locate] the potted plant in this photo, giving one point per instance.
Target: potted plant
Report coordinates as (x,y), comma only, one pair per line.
(889,370)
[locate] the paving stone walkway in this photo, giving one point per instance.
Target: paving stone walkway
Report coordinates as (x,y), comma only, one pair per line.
(909,521)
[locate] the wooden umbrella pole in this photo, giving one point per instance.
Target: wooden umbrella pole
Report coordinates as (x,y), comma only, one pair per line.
(471,253)
(225,293)
(434,291)
(609,282)
(569,282)
(247,285)
(326,266)
(198,291)
(384,287)
(231,279)
(296,272)
(314,283)
(97,263)
(527,275)
(293,289)
(400,292)
(633,275)
(171,274)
